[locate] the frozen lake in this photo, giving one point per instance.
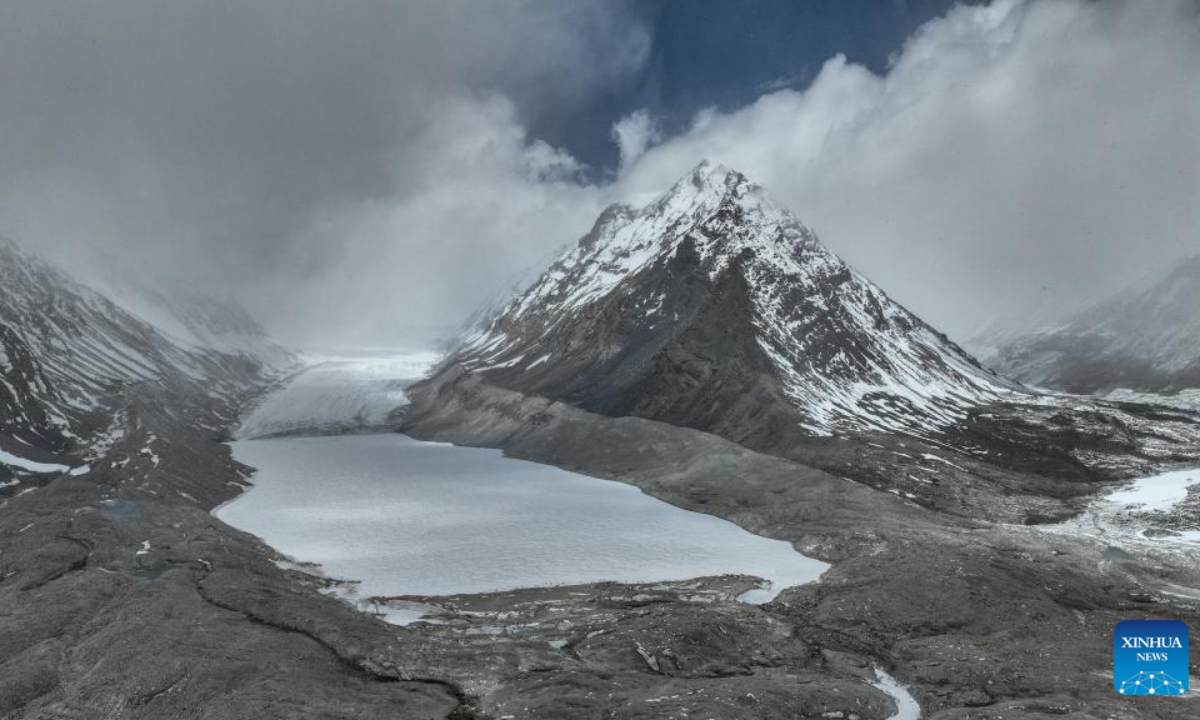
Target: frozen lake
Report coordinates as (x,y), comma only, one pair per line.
(411,518)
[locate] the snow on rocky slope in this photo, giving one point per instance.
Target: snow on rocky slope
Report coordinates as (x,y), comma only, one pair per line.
(1188,399)
(65,349)
(714,289)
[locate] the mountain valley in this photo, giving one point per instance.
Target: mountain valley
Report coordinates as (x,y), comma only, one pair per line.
(705,349)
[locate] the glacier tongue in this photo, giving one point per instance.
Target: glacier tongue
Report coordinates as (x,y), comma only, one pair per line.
(338,394)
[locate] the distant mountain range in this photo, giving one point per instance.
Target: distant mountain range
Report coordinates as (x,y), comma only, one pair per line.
(66,349)
(1144,338)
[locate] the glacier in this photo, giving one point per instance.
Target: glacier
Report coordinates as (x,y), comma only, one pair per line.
(338,393)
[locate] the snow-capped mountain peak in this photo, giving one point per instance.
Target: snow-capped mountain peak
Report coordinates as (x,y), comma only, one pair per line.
(626,239)
(716,293)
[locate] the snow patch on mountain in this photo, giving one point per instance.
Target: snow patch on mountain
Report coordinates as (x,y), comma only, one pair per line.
(7,458)
(199,322)
(1186,399)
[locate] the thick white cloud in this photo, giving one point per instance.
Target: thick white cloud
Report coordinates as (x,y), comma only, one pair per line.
(634,134)
(1014,159)
(358,172)
(482,201)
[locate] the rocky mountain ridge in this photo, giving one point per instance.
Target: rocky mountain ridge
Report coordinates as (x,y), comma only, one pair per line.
(66,350)
(1143,338)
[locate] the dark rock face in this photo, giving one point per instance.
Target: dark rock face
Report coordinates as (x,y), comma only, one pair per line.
(22,412)
(1144,338)
(702,370)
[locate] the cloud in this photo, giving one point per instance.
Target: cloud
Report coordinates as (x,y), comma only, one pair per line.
(482,202)
(211,141)
(634,134)
(1014,161)
(1017,158)
(364,171)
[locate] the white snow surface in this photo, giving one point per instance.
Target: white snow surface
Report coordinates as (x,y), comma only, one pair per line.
(1117,517)
(1157,492)
(405,517)
(338,394)
(7,458)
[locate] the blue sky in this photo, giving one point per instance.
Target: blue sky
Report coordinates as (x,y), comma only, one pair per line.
(726,54)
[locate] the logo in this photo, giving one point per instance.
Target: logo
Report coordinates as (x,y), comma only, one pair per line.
(1150,657)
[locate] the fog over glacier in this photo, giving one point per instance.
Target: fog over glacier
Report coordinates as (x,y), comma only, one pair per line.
(374,171)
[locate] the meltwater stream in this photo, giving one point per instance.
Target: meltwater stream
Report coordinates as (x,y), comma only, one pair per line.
(404,517)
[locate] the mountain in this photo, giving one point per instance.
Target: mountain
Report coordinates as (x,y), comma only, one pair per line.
(67,350)
(1144,338)
(714,309)
(712,305)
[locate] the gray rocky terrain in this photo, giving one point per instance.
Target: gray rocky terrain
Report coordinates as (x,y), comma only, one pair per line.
(708,349)
(204,622)
(982,618)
